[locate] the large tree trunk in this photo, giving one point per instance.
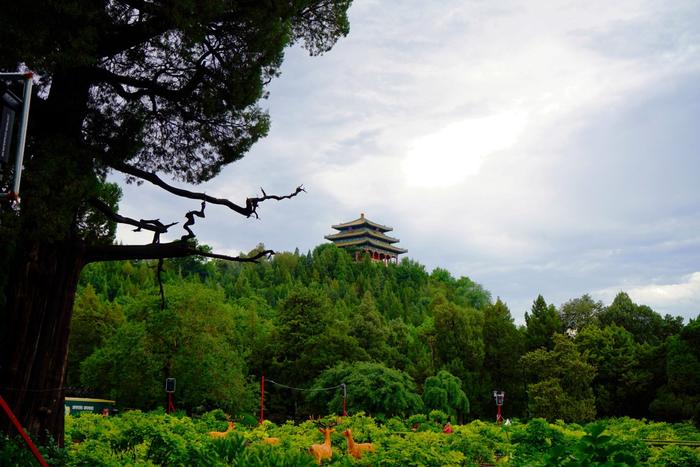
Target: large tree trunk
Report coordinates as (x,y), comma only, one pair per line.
(34,348)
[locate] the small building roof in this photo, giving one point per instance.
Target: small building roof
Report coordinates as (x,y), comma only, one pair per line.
(362,221)
(370,242)
(361,232)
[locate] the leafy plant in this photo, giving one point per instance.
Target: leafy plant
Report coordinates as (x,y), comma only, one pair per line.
(593,449)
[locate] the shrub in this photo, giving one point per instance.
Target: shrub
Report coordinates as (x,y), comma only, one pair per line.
(677,456)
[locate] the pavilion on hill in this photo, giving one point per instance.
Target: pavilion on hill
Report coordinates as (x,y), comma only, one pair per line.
(363,235)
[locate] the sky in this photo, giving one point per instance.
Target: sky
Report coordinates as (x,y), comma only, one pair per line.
(540,147)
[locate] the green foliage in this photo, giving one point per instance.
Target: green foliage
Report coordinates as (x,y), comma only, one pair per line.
(296,316)
(14,452)
(593,449)
(371,387)
(579,313)
(504,345)
(192,339)
(560,385)
(444,392)
(93,321)
(534,439)
(679,398)
(621,381)
(542,323)
(677,456)
(420,448)
(645,325)
(136,438)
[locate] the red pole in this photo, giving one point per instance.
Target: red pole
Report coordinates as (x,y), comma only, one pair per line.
(345,399)
(262,399)
(499,418)
(171,405)
(19,428)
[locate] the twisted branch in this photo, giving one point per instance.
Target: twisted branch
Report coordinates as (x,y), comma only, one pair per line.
(251,204)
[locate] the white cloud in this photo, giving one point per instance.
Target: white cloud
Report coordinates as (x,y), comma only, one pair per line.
(685,294)
(455,152)
(476,129)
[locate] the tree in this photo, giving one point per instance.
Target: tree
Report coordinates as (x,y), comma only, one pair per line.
(560,382)
(621,383)
(93,322)
(503,347)
(192,339)
(542,323)
(644,323)
(679,398)
(369,328)
(371,387)
(138,87)
(309,339)
(578,313)
(444,392)
(458,335)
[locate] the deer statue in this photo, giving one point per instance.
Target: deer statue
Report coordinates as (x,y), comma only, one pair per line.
(325,450)
(222,434)
(356,449)
(271,441)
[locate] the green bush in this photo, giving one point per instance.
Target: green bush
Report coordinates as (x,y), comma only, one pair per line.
(676,456)
(593,449)
(149,439)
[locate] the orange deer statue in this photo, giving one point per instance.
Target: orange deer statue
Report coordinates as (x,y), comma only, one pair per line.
(222,434)
(325,450)
(271,441)
(357,449)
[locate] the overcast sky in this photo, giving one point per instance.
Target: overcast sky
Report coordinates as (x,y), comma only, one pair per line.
(540,147)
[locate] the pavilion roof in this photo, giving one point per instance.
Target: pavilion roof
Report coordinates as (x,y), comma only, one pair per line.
(360,232)
(372,242)
(362,221)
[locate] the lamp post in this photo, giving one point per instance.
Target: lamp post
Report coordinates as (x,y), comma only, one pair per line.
(170,389)
(498,397)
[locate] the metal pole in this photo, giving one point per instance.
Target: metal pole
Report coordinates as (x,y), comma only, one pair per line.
(22,130)
(13,195)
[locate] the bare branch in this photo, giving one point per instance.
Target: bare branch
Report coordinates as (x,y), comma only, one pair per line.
(190,221)
(176,249)
(149,87)
(251,204)
(154,225)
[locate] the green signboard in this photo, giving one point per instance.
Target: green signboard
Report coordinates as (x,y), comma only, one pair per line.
(78,405)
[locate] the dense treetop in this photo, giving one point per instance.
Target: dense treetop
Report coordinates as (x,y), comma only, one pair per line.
(320,319)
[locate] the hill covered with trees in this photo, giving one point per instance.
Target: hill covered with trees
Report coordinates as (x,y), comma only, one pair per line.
(403,340)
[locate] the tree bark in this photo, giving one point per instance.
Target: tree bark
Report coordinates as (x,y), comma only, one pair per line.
(36,324)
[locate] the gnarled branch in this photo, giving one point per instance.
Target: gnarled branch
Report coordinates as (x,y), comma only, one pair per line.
(154,225)
(190,221)
(176,249)
(251,204)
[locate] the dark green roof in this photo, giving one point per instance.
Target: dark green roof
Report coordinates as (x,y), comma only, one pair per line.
(361,232)
(362,221)
(371,242)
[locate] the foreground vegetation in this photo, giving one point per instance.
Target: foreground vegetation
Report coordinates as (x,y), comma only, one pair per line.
(137,438)
(403,340)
